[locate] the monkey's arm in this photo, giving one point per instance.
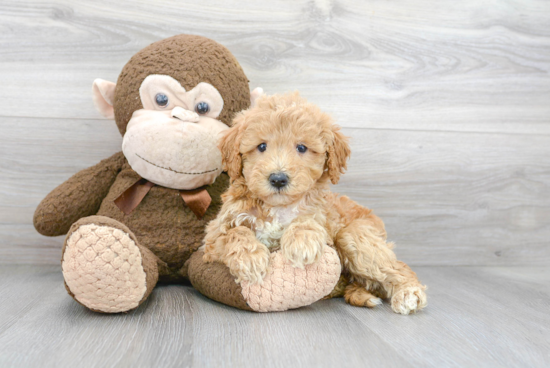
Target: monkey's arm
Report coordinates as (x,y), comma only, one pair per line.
(79,196)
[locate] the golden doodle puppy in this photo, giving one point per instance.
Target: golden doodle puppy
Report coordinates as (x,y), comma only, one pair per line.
(281,155)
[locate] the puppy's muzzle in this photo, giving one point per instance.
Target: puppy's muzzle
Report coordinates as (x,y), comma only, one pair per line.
(278,180)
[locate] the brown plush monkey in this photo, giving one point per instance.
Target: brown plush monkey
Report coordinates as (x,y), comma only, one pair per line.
(137,217)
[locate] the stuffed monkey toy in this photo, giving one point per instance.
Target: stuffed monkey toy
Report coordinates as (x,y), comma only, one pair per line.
(138,217)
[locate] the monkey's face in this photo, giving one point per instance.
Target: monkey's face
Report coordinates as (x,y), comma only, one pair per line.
(173,140)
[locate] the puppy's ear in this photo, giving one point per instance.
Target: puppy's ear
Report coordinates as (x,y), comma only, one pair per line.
(338,153)
(229,146)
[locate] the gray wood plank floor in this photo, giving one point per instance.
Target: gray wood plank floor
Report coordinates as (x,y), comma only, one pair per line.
(477,317)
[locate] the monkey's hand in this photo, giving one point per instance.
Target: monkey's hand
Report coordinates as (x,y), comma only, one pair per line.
(80,196)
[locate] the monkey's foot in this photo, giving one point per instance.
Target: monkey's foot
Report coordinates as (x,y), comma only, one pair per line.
(287,287)
(284,287)
(104,267)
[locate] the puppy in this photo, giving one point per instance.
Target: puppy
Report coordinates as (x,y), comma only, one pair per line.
(281,155)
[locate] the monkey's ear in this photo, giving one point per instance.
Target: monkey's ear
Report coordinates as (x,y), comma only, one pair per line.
(255,94)
(229,146)
(104,94)
(337,154)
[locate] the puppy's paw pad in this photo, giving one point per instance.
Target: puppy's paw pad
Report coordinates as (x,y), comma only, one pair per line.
(408,300)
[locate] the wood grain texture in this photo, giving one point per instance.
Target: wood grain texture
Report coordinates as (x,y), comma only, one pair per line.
(416,65)
(447,104)
(477,316)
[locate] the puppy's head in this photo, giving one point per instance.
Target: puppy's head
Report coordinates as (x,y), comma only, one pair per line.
(282,147)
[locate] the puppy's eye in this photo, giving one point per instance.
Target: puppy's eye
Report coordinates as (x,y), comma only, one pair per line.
(161,99)
(262,147)
(202,108)
(301,148)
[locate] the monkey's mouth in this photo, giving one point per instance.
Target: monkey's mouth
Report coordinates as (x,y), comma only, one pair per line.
(177,172)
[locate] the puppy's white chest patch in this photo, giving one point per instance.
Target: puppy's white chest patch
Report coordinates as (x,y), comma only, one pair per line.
(270,232)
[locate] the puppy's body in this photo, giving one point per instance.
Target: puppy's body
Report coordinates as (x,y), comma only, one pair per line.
(281,155)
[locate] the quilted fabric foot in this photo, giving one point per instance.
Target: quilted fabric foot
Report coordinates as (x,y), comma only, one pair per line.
(103,268)
(287,287)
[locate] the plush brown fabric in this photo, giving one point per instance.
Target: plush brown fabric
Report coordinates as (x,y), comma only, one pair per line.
(162,222)
(165,229)
(169,233)
(214,281)
(150,265)
(78,197)
(188,59)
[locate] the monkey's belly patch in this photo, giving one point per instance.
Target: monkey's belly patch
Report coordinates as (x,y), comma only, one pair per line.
(102,267)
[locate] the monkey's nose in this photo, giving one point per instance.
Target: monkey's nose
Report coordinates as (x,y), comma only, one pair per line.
(185,115)
(278,180)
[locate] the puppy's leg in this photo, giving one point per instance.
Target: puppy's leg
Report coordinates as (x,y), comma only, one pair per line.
(246,258)
(303,242)
(357,295)
(370,261)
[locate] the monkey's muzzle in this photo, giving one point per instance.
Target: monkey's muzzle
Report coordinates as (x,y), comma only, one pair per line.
(185,115)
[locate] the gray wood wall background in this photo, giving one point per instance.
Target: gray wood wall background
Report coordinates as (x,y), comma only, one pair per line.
(447,103)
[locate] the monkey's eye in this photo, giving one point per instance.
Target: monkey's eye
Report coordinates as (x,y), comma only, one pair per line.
(262,147)
(202,108)
(301,148)
(161,99)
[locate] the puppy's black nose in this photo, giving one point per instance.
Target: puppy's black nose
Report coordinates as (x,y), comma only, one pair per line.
(278,180)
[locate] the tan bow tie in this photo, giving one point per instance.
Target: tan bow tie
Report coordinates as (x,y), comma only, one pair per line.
(197,200)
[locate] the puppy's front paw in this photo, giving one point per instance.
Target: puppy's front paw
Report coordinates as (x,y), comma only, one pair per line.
(409,300)
(303,246)
(248,265)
